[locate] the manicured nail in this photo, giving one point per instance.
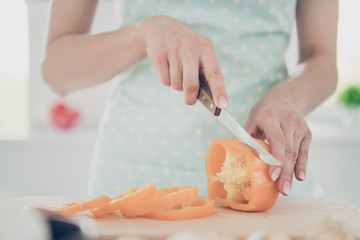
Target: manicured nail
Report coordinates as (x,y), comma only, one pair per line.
(286,188)
(275,175)
(302,175)
(222,102)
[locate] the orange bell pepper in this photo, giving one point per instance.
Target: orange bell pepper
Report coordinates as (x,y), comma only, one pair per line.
(128,197)
(237,177)
(202,207)
(71,208)
(94,203)
(163,198)
(67,209)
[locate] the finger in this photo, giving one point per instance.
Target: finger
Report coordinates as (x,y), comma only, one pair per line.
(276,139)
(213,74)
(175,73)
(255,131)
(298,138)
(252,128)
(285,179)
(284,182)
(161,64)
(190,79)
(300,168)
(250,123)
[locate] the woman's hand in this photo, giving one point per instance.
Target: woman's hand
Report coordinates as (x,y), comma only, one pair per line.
(179,54)
(279,115)
(274,118)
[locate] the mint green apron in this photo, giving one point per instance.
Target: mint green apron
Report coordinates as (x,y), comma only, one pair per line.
(147,133)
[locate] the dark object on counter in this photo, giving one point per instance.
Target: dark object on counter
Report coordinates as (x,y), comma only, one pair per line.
(61,227)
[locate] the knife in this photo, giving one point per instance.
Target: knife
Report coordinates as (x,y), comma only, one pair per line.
(205,97)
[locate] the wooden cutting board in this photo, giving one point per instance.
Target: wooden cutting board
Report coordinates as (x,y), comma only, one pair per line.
(294,217)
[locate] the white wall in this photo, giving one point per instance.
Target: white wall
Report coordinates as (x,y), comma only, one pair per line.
(55,163)
(46,165)
(52,162)
(335,157)
(89,101)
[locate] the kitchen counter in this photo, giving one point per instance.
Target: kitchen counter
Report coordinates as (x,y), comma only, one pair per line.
(294,217)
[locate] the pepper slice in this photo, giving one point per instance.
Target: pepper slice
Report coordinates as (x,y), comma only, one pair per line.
(94,203)
(200,208)
(163,198)
(237,177)
(67,209)
(126,198)
(78,206)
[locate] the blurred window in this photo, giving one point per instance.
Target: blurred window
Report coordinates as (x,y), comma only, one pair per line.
(14,55)
(349,43)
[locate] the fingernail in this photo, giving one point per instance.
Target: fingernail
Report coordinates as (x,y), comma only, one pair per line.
(286,188)
(222,102)
(275,175)
(302,175)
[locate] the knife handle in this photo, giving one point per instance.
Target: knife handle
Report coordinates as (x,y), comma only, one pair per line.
(206,98)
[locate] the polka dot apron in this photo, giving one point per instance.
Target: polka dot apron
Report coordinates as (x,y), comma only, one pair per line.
(148,134)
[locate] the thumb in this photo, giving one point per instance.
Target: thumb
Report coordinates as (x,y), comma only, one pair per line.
(216,84)
(274,172)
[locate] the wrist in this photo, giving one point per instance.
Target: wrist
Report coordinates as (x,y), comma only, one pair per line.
(138,39)
(283,92)
(153,30)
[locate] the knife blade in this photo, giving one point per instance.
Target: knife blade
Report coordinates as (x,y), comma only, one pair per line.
(205,97)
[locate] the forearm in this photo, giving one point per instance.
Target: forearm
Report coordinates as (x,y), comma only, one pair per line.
(314,80)
(76,61)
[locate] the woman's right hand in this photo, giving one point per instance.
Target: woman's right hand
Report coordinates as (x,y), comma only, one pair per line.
(179,55)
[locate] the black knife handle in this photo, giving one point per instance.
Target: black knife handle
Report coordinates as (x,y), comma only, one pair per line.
(206,98)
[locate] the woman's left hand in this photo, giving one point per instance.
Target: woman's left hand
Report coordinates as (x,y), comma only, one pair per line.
(274,118)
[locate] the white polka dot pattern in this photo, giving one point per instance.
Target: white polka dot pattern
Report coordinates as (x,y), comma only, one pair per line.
(147,133)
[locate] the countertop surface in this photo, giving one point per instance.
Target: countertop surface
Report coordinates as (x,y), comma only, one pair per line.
(292,217)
